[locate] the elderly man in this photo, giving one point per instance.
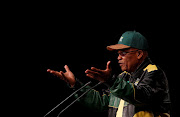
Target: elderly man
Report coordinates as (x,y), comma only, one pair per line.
(141,90)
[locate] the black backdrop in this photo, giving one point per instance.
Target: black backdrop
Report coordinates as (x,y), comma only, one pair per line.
(49,39)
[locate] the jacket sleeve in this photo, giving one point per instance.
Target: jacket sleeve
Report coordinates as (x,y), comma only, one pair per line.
(149,87)
(123,89)
(94,99)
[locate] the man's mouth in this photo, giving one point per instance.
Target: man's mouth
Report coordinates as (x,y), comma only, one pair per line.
(120,64)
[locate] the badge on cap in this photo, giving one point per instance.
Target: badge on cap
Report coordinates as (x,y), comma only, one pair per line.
(121,39)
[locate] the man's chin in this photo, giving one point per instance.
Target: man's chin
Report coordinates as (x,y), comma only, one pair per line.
(123,69)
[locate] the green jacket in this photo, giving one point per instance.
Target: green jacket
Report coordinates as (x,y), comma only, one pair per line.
(143,93)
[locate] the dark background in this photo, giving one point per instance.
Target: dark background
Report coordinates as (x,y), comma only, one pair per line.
(49,36)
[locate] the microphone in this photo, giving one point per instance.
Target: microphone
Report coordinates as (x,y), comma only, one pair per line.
(67,98)
(78,98)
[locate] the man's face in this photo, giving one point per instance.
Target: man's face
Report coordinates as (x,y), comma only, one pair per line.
(128,59)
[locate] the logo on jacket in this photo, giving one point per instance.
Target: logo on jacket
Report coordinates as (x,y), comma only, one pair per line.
(137,81)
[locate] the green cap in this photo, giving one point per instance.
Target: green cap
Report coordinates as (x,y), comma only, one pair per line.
(130,39)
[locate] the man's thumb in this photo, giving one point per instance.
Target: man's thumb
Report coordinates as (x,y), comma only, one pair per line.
(108,65)
(66,68)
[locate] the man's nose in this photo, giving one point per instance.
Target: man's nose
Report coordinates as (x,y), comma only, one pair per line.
(119,57)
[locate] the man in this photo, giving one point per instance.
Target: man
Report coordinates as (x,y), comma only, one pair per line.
(141,90)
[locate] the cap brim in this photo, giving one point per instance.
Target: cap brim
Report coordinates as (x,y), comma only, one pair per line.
(117,47)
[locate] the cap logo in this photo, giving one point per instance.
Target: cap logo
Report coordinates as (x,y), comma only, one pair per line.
(121,39)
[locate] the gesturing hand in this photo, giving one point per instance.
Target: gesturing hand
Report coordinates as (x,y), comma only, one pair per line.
(98,74)
(68,76)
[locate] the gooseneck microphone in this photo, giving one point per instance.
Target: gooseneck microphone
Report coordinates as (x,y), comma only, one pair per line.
(78,98)
(71,96)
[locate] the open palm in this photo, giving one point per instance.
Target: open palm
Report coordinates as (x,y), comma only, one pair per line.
(68,76)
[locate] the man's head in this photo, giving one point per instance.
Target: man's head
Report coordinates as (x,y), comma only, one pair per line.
(132,50)
(129,59)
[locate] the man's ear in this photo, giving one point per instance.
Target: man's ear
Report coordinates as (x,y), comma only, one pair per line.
(140,54)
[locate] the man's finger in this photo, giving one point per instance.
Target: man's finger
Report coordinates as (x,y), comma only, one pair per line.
(56,73)
(49,70)
(95,69)
(66,68)
(108,65)
(92,72)
(90,76)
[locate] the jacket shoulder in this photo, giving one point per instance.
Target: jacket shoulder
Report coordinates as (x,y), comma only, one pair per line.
(151,68)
